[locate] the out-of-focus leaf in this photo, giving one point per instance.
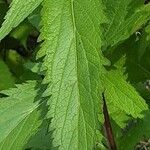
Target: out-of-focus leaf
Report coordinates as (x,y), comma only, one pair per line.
(137,132)
(6,78)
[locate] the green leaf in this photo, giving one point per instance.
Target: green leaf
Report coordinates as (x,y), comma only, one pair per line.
(118,115)
(122,95)
(148,31)
(124,18)
(136,58)
(20,117)
(138,132)
(6,78)
(127,64)
(21,32)
(41,140)
(19,10)
(15,62)
(35,18)
(74,64)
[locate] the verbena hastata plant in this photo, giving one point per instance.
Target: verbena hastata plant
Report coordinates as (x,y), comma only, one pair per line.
(88,47)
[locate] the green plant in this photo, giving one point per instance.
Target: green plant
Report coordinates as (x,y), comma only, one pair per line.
(59,56)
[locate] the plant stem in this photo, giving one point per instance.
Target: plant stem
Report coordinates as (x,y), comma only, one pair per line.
(107,126)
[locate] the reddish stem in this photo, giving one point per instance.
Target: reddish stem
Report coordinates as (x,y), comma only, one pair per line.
(107,125)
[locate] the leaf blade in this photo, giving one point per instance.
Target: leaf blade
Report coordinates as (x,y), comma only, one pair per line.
(20,117)
(124,19)
(72,70)
(122,95)
(18,11)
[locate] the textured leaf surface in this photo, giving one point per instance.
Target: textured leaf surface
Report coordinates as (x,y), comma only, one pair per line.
(19,10)
(124,18)
(74,63)
(126,66)
(19,116)
(118,115)
(122,95)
